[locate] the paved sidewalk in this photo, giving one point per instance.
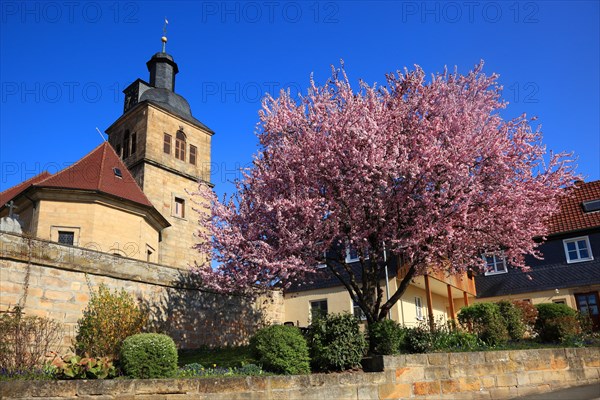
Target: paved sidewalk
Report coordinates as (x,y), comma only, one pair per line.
(587,392)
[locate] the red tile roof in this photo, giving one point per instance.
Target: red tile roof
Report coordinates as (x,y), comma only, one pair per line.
(571,216)
(12,192)
(93,172)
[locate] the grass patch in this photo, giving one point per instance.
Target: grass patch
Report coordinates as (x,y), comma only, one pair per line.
(225,357)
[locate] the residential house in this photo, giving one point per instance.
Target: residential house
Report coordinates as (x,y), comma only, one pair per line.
(434,296)
(570,270)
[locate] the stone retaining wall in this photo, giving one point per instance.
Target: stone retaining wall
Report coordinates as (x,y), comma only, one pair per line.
(479,375)
(52,280)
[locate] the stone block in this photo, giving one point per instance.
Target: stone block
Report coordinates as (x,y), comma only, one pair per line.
(415,360)
(410,374)
(426,388)
(56,295)
(531,390)
(506,380)
(322,379)
(467,358)
(438,359)
(351,378)
(434,372)
(395,391)
(555,377)
(450,386)
(503,393)
(487,382)
(99,387)
(167,386)
(368,393)
(497,356)
(523,379)
(469,384)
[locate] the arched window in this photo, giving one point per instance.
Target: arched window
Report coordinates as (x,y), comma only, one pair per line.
(180,145)
(126,144)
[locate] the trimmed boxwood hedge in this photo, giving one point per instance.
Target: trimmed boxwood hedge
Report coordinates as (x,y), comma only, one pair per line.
(149,355)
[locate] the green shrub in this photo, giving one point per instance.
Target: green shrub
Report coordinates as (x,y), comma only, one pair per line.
(109,318)
(336,342)
(25,340)
(386,337)
(513,318)
(418,339)
(281,349)
(556,322)
(149,355)
(448,339)
(485,320)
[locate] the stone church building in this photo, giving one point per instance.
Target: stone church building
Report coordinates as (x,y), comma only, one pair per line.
(128,197)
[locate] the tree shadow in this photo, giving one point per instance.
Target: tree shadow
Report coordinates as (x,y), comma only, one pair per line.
(197,318)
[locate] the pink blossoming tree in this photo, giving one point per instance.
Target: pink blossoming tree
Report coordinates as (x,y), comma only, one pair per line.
(425,169)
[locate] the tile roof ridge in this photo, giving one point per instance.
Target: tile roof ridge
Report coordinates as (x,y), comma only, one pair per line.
(75,164)
(47,174)
(102,162)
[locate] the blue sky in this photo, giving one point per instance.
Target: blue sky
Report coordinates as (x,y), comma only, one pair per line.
(63,65)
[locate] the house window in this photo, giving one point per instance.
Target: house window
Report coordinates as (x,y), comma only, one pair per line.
(193,151)
(167,143)
(133,143)
(559,301)
(418,308)
(494,264)
(126,144)
(180,146)
(358,312)
(578,249)
(66,237)
(318,308)
(118,150)
(179,208)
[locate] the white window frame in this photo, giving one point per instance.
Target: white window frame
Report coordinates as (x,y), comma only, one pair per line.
(179,200)
(349,258)
(361,315)
(575,240)
(419,308)
(497,258)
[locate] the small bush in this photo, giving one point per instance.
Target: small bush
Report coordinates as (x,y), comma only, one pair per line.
(556,322)
(529,315)
(386,337)
(514,319)
(109,318)
(418,339)
(485,320)
(448,338)
(25,340)
(149,355)
(281,349)
(336,342)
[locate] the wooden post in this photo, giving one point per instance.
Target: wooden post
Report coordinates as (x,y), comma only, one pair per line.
(451,302)
(466,298)
(429,303)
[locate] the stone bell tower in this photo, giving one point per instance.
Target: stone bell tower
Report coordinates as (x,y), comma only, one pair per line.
(167,151)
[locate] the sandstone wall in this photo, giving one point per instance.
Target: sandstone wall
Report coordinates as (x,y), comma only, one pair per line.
(52,280)
(481,375)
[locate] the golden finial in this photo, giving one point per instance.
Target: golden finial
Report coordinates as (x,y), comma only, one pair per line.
(164,37)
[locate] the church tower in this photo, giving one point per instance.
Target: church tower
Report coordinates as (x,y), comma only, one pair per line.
(167,151)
